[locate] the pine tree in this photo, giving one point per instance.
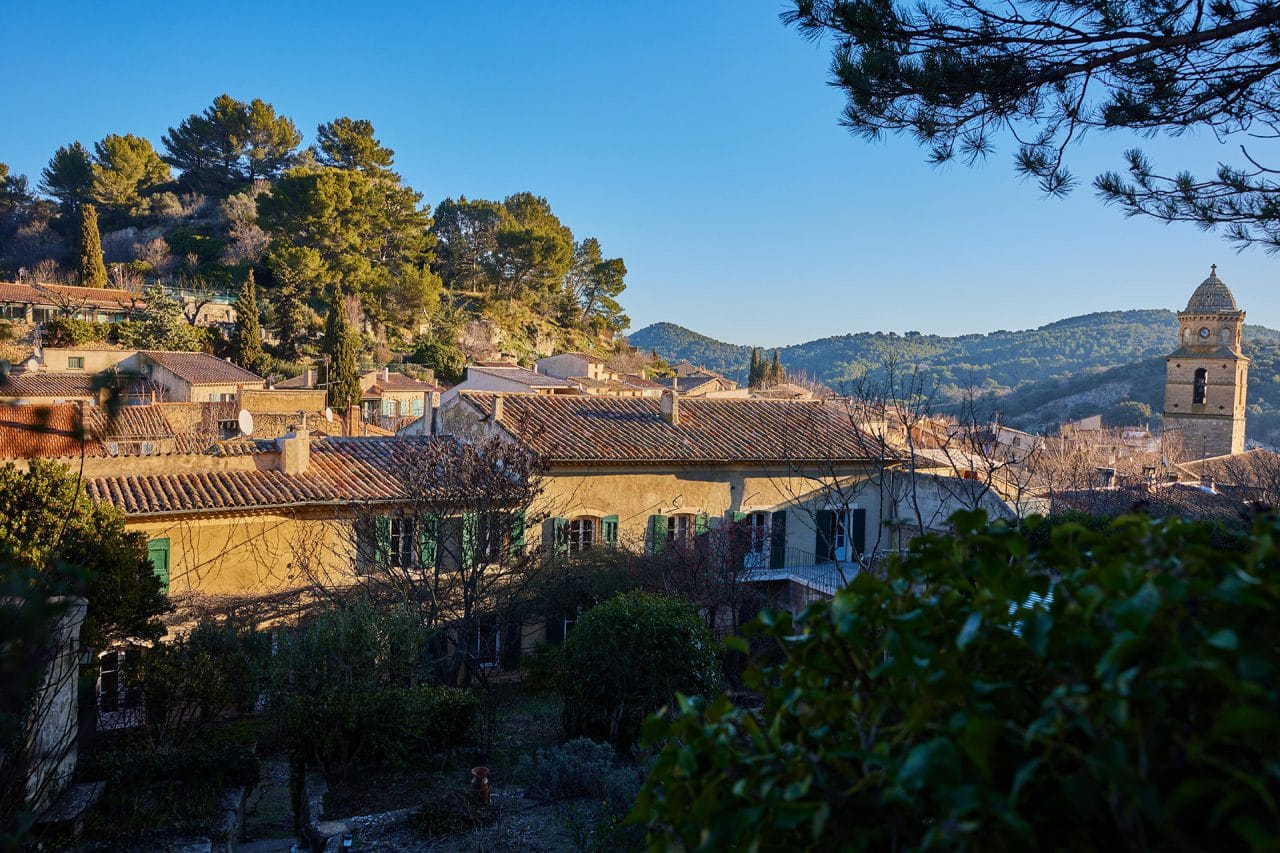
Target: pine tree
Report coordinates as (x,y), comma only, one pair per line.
(340,347)
(246,341)
(93,273)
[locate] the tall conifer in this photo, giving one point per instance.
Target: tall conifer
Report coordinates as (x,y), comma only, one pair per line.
(340,347)
(246,341)
(92,272)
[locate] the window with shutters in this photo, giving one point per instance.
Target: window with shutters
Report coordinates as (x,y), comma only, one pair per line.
(491,536)
(119,696)
(404,543)
(582,534)
(758,540)
(680,527)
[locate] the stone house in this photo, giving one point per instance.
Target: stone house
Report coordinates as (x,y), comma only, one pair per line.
(645,472)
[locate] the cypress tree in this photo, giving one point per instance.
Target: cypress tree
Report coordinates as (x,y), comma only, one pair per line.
(777,373)
(246,341)
(340,346)
(92,273)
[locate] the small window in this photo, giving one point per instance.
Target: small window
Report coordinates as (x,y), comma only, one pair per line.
(403,543)
(492,535)
(679,527)
(582,534)
(1200,386)
(75,362)
(228,429)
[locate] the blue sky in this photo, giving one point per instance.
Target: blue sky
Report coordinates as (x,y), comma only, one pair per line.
(698,141)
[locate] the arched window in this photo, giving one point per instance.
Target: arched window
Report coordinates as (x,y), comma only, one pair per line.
(582,534)
(1202,380)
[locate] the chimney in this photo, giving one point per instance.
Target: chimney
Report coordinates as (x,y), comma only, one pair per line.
(671,408)
(295,451)
(353,420)
(311,377)
(495,413)
(386,373)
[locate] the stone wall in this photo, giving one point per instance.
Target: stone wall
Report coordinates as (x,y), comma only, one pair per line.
(54,720)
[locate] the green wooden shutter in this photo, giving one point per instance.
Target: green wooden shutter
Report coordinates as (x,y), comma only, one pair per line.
(428,539)
(158,554)
(701,524)
(858,535)
(657,533)
(555,536)
(823,545)
(778,539)
(470,525)
(609,530)
(516,550)
(382,538)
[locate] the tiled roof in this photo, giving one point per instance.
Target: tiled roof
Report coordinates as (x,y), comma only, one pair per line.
(30,431)
(299,381)
(61,295)
(1172,500)
(341,471)
(199,368)
(522,376)
(47,385)
(637,381)
(1212,297)
(685,384)
(593,429)
(400,382)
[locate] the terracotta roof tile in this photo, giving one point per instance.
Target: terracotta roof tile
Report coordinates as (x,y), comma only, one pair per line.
(55,430)
(596,429)
(342,470)
(200,368)
(51,385)
(71,297)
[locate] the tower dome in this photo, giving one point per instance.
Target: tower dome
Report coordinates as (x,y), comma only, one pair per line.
(1212,296)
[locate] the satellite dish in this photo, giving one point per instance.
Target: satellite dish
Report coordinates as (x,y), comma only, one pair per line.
(246,422)
(328,414)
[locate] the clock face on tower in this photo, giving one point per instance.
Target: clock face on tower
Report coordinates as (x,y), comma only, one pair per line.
(1204,333)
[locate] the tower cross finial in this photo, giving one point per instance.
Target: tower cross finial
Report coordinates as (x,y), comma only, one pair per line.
(1213,269)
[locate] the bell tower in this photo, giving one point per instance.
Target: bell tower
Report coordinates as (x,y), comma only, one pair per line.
(1207,375)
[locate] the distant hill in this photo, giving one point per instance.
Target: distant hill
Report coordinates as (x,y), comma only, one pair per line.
(1036,377)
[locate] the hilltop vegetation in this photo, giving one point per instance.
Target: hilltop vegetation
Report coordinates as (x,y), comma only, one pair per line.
(231,191)
(1036,378)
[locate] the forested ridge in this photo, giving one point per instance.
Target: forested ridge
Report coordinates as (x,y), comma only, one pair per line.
(1036,378)
(232,190)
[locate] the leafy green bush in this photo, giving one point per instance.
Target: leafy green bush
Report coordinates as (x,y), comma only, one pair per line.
(1112,689)
(70,332)
(422,720)
(191,681)
(344,690)
(443,357)
(224,766)
(626,658)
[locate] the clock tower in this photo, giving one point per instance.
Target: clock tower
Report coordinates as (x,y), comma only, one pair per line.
(1207,375)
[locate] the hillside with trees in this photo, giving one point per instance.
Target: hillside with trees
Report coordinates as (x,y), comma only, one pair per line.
(1108,363)
(230,195)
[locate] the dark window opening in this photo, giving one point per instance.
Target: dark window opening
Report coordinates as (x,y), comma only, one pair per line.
(1201,381)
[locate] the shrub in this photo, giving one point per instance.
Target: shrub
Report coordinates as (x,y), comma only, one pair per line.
(343,690)
(1112,689)
(422,720)
(626,658)
(579,768)
(191,681)
(445,358)
(70,332)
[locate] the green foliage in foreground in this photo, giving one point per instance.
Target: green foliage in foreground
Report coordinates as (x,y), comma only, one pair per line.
(628,657)
(1139,709)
